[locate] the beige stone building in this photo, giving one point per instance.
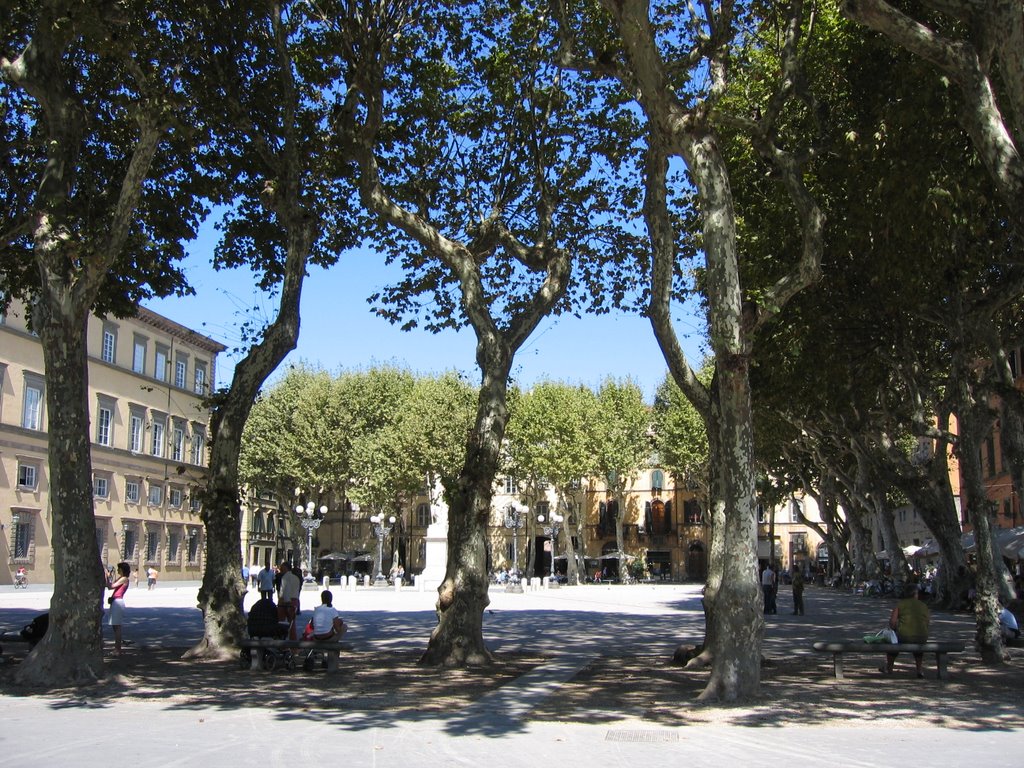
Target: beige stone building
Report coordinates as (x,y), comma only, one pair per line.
(147,378)
(663,526)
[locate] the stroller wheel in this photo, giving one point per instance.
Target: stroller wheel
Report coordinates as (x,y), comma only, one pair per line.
(310,663)
(245,658)
(269,661)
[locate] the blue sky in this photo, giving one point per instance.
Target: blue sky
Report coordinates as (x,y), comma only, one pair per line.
(339,331)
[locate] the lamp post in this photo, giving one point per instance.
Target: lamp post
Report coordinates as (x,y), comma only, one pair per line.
(310,520)
(552,532)
(514,520)
(381,528)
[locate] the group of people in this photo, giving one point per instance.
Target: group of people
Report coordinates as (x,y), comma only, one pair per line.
(267,619)
(770,590)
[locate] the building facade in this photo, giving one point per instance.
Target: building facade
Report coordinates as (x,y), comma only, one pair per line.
(147,379)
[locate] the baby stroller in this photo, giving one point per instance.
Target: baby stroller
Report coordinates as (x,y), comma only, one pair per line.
(263,622)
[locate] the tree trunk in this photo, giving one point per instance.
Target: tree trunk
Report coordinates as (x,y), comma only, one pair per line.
(736,616)
(72,650)
(458,639)
(975,422)
(572,571)
(932,497)
(220,596)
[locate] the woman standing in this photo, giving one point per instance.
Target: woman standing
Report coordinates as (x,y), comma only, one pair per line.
(116,600)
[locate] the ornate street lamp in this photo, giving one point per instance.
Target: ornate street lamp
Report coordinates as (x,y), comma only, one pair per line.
(381,528)
(552,532)
(310,520)
(514,519)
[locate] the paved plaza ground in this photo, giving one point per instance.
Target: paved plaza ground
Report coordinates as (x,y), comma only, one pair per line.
(583,674)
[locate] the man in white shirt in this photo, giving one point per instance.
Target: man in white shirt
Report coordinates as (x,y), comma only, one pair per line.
(289,598)
(327,623)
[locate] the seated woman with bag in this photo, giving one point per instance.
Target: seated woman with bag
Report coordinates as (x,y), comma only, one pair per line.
(910,619)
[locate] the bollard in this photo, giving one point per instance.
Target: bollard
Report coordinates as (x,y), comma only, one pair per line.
(366,579)
(327,582)
(398,585)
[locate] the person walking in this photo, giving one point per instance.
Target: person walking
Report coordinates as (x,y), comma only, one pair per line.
(152,574)
(116,601)
(798,593)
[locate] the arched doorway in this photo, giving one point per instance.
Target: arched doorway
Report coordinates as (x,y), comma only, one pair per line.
(696,561)
(609,562)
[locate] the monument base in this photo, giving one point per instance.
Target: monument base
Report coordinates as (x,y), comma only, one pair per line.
(436,561)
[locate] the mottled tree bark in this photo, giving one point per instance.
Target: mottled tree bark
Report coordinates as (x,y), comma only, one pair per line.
(72,650)
(73,262)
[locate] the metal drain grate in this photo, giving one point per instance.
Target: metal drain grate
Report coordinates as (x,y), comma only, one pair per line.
(648,737)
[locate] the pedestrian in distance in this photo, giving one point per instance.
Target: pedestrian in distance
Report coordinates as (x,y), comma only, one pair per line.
(265,582)
(798,593)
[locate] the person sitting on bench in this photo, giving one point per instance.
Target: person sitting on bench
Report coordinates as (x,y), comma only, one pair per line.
(263,621)
(910,619)
(327,623)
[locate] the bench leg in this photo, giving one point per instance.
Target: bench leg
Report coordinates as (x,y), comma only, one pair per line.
(256,664)
(332,660)
(940,662)
(837,664)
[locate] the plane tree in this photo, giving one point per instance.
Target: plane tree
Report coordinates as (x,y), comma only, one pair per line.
(978,48)
(548,437)
(99,134)
(924,282)
(473,152)
(622,447)
(677,62)
(268,75)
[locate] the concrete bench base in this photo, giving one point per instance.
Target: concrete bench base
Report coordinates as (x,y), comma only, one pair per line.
(267,653)
(837,649)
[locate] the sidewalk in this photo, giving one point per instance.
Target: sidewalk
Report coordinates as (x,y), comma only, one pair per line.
(524,721)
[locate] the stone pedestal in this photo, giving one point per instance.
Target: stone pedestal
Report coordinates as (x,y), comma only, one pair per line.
(436,558)
(436,543)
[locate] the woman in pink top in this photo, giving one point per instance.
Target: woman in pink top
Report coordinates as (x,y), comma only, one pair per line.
(116,600)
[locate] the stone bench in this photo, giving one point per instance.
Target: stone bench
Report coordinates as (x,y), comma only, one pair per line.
(838,648)
(6,638)
(271,652)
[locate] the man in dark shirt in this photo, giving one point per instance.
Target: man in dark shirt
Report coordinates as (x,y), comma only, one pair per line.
(263,620)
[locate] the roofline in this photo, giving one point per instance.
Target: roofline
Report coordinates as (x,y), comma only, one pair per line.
(177,330)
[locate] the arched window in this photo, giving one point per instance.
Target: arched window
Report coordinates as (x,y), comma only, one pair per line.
(657,481)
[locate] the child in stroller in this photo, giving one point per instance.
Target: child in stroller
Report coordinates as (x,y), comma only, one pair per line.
(263,622)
